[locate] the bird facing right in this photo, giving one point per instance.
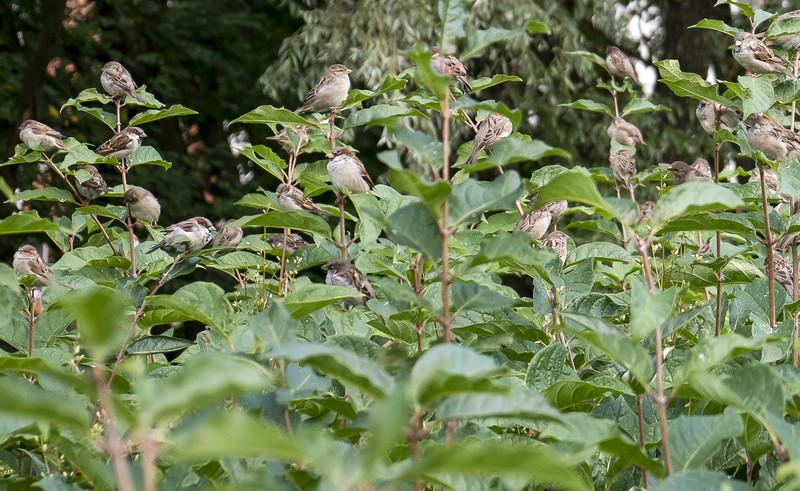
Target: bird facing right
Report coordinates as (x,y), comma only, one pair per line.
(624,132)
(347,172)
(28,261)
(329,92)
(123,144)
(186,236)
(118,83)
(33,133)
(493,128)
(341,272)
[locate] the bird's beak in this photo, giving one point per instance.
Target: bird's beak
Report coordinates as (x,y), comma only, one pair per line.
(329,155)
(144,134)
(349,70)
(737,43)
(212,228)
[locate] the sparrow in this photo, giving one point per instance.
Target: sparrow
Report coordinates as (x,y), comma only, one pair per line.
(624,132)
(777,142)
(290,198)
(534,222)
(557,241)
(714,116)
(770,178)
(623,167)
(228,237)
(755,56)
(186,236)
(341,272)
(783,273)
(347,172)
(697,172)
(301,134)
(123,143)
(556,209)
(142,205)
(645,212)
(94,186)
(293,242)
(619,65)
(117,82)
(494,127)
(329,92)
(451,67)
(28,261)
(33,134)
(789,41)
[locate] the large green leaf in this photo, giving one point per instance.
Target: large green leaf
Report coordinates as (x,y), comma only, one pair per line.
(453,15)
(686,84)
(693,440)
(693,197)
(201,301)
(34,404)
(574,185)
(648,312)
(295,220)
(431,194)
(103,317)
(314,296)
(271,115)
(156,114)
(414,226)
(28,222)
(471,198)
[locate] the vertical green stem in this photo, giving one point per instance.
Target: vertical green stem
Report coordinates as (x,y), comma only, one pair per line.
(718,323)
(447,334)
(768,242)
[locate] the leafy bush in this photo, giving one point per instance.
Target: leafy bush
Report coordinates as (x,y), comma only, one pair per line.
(658,354)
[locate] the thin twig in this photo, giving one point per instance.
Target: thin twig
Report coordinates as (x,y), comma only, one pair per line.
(282,281)
(113,443)
(444,228)
(31,319)
(642,438)
(718,234)
(769,244)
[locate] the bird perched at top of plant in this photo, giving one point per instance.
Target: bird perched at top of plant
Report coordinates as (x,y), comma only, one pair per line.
(624,132)
(451,67)
(619,65)
(118,83)
(714,116)
(123,143)
(329,92)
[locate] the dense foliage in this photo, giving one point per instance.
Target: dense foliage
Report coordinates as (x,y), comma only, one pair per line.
(658,355)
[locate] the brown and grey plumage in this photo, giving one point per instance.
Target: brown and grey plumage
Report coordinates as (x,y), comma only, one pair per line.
(697,172)
(646,210)
(142,205)
(117,82)
(770,178)
(624,132)
(775,141)
(623,167)
(619,65)
(714,116)
(451,67)
(557,241)
(783,273)
(534,222)
(92,187)
(493,128)
(329,92)
(300,133)
(341,272)
(28,261)
(293,242)
(290,198)
(755,56)
(33,133)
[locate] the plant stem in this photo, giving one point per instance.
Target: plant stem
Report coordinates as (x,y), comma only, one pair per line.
(447,334)
(660,399)
(642,441)
(342,245)
(31,320)
(769,244)
(718,321)
(113,443)
(149,454)
(794,297)
(283,283)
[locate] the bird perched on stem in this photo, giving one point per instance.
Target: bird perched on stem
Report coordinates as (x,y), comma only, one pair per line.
(118,83)
(714,116)
(493,128)
(697,172)
(646,210)
(783,273)
(33,134)
(143,206)
(347,172)
(293,242)
(624,132)
(755,56)
(534,222)
(557,241)
(186,236)
(290,198)
(123,144)
(451,67)
(329,92)
(228,237)
(770,178)
(775,141)
(92,187)
(619,65)
(28,261)
(301,136)
(341,272)
(623,167)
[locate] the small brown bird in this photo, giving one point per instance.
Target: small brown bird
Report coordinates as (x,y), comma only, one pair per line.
(534,222)
(301,136)
(186,236)
(755,56)
(783,273)
(493,128)
(341,272)
(624,132)
(770,178)
(118,83)
(142,205)
(290,198)
(789,41)
(293,242)
(329,92)
(646,210)
(92,187)
(697,172)
(228,237)
(556,209)
(28,261)
(347,172)
(623,167)
(36,134)
(619,65)
(775,141)
(557,241)
(451,67)
(714,116)
(123,143)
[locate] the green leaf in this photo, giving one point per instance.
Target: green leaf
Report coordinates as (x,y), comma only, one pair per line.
(44,194)
(30,402)
(588,105)
(413,225)
(421,144)
(790,25)
(424,75)
(370,218)
(484,83)
(478,41)
(693,197)
(272,115)
(431,194)
(107,118)
(726,222)
(295,220)
(453,15)
(593,57)
(201,301)
(146,155)
(27,222)
(87,95)
(715,25)
(574,185)
(156,114)
(343,365)
(380,115)
(266,159)
(520,404)
(760,95)
(314,296)
(569,394)
(693,440)
(471,198)
(206,379)
(512,151)
(448,369)
(642,106)
(150,345)
(649,311)
(686,84)
(473,296)
(700,479)
(610,341)
(103,317)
